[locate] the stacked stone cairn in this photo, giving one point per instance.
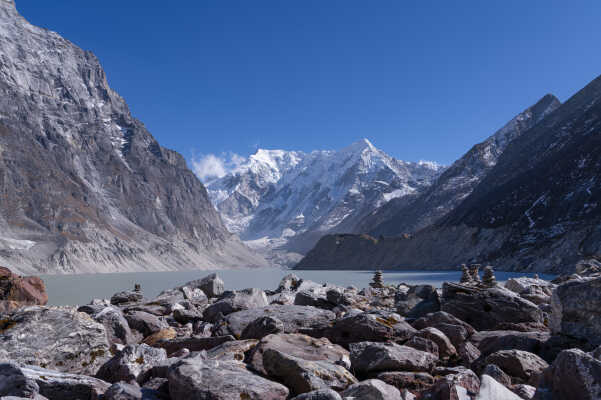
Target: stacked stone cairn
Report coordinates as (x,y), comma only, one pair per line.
(377,282)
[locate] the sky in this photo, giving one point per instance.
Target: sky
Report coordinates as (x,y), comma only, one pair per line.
(421,80)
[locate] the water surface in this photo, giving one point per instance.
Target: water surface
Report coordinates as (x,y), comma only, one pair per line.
(80,289)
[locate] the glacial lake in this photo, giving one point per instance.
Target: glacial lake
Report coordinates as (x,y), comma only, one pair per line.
(80,289)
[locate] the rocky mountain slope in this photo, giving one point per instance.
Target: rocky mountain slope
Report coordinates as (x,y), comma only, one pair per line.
(537,209)
(297,197)
(457,182)
(84,186)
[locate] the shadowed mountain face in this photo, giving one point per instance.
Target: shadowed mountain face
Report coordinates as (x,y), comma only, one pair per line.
(457,182)
(84,186)
(537,209)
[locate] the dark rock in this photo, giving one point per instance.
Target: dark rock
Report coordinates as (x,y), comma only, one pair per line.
(131,363)
(462,385)
(414,381)
(231,302)
(468,353)
(262,327)
(299,346)
(185,316)
(324,394)
(224,380)
(423,344)
(372,389)
(485,308)
(418,301)
(126,297)
(445,347)
(17,291)
(294,318)
(491,341)
(573,375)
(192,343)
(524,366)
(497,374)
(54,337)
(124,391)
(577,310)
(367,327)
(371,357)
(303,376)
(145,323)
(13,382)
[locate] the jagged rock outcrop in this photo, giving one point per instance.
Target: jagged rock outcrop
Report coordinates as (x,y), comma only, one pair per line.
(17,291)
(85,187)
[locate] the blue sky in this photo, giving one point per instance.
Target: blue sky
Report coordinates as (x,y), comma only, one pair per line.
(421,80)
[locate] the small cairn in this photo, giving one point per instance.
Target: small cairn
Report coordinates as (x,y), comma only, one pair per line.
(475,272)
(536,277)
(137,288)
(488,279)
(466,277)
(377,281)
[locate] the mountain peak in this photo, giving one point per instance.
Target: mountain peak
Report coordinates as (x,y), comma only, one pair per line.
(359,146)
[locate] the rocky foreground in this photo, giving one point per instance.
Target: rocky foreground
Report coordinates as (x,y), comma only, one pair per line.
(476,339)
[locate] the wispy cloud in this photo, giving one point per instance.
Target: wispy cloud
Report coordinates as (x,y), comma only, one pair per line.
(209,167)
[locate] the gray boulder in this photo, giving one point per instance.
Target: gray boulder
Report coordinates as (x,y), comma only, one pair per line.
(423,344)
(303,376)
(577,310)
(372,389)
(262,327)
(115,324)
(211,285)
(231,302)
(464,384)
(236,350)
(415,381)
(486,308)
(131,363)
(124,391)
(126,297)
(370,357)
(518,364)
(299,346)
(144,322)
(192,343)
(59,338)
(445,347)
(417,301)
(294,318)
(491,341)
(573,375)
(497,374)
(52,384)
(220,380)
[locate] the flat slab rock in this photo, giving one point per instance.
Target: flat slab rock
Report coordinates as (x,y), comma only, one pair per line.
(371,357)
(58,338)
(220,380)
(294,318)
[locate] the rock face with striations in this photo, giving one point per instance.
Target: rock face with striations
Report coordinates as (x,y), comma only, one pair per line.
(85,187)
(17,291)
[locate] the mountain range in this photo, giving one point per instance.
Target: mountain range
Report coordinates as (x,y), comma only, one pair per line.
(84,186)
(289,199)
(535,207)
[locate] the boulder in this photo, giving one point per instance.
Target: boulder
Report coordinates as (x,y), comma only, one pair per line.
(59,338)
(262,327)
(577,310)
(222,380)
(299,346)
(372,389)
(525,392)
(423,344)
(518,364)
(145,323)
(124,391)
(162,335)
(192,343)
(211,285)
(414,381)
(303,376)
(445,347)
(464,384)
(184,316)
(126,297)
(131,363)
(323,394)
(523,284)
(418,301)
(231,302)
(573,375)
(497,374)
(294,318)
(52,384)
(468,353)
(236,350)
(493,390)
(374,327)
(115,324)
(18,291)
(371,357)
(485,308)
(491,341)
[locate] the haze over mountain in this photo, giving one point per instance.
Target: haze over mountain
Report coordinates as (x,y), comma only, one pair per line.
(85,187)
(537,209)
(290,198)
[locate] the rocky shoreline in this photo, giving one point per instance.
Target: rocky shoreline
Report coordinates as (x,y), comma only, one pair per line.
(475,339)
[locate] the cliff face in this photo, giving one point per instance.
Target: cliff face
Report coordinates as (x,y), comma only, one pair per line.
(84,185)
(537,209)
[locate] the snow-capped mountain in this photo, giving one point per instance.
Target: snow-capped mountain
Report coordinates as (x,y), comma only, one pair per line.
(298,196)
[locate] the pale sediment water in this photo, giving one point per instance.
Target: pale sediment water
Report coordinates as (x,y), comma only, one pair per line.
(80,289)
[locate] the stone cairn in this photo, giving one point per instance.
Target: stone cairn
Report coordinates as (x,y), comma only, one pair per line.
(137,288)
(466,276)
(488,279)
(475,273)
(377,281)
